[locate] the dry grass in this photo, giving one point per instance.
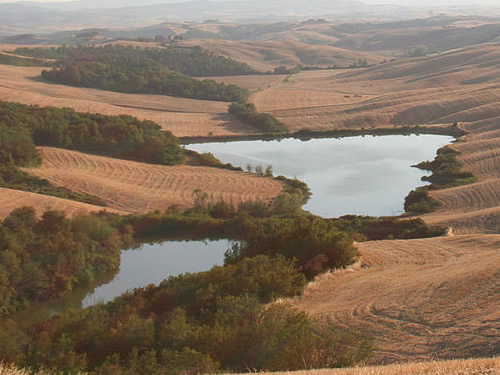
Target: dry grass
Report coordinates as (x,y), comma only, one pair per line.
(267,55)
(12,199)
(251,82)
(139,187)
(461,85)
(458,86)
(183,117)
(420,299)
(488,366)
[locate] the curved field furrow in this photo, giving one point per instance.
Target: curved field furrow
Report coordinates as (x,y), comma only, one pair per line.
(416,297)
(481,156)
(140,187)
(467,198)
(479,221)
(12,199)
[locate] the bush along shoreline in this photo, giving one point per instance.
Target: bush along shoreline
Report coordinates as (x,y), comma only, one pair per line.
(446,172)
(224,319)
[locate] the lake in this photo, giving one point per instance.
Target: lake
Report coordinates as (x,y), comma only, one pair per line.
(152,263)
(365,175)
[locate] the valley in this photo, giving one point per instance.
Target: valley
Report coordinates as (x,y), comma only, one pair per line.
(419,299)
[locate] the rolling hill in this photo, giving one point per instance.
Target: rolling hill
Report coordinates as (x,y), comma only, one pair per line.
(138,187)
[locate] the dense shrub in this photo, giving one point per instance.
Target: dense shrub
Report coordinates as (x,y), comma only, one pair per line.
(420,202)
(247,113)
(446,170)
(47,257)
(199,323)
(117,136)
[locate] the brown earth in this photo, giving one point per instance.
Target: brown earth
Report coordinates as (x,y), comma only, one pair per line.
(420,299)
(183,117)
(138,187)
(12,199)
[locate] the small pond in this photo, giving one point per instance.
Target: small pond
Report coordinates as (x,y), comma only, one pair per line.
(365,175)
(152,263)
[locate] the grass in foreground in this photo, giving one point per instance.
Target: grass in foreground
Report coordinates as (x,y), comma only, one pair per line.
(482,366)
(486,366)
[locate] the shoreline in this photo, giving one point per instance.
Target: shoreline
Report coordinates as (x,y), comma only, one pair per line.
(450,130)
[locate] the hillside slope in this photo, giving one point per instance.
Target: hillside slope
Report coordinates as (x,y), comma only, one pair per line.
(139,187)
(419,298)
(183,117)
(12,199)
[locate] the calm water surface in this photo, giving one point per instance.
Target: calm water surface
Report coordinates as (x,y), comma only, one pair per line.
(151,264)
(357,175)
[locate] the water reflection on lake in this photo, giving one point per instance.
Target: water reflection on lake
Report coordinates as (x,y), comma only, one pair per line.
(356,175)
(152,263)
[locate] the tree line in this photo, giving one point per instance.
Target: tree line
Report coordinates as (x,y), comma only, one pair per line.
(163,71)
(122,136)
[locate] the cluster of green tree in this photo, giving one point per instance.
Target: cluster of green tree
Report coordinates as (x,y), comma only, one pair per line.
(47,257)
(17,149)
(126,137)
(419,201)
(19,61)
(207,159)
(197,323)
(446,172)
(247,113)
(370,228)
(419,51)
(192,61)
(151,71)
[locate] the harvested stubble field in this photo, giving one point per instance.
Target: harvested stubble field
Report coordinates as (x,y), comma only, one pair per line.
(12,199)
(458,86)
(488,366)
(461,85)
(474,208)
(139,187)
(420,299)
(183,117)
(267,55)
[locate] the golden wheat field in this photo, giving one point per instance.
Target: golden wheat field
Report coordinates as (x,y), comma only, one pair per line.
(12,199)
(420,299)
(139,187)
(183,117)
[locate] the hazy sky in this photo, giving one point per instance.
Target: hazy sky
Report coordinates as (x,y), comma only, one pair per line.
(399,2)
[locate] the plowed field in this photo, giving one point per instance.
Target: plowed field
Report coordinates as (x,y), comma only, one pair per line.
(183,117)
(12,199)
(418,298)
(139,187)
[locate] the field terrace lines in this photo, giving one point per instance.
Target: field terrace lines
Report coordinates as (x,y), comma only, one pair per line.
(474,208)
(138,187)
(418,298)
(183,117)
(12,199)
